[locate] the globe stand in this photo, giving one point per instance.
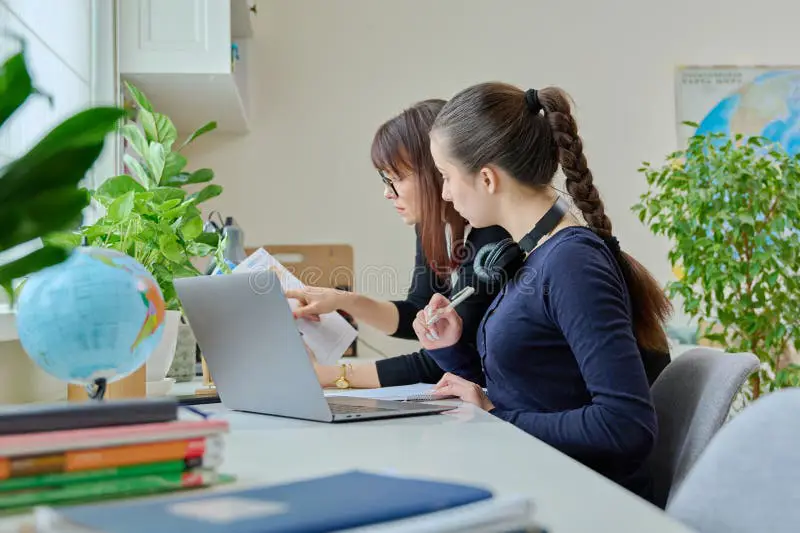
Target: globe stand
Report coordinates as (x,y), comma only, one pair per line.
(97,390)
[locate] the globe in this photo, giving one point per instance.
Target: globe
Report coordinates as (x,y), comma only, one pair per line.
(99,314)
(768,106)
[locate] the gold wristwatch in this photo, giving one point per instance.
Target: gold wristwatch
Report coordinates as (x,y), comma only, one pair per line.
(341,382)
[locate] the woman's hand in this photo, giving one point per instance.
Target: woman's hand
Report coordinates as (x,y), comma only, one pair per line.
(446,331)
(316,301)
(452,385)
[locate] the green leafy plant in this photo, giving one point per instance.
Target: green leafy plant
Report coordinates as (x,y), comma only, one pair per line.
(40,191)
(150,214)
(731,209)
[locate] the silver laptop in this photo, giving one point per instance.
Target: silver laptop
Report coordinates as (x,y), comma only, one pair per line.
(256,355)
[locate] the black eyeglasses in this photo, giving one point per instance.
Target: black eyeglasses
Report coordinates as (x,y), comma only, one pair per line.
(388,182)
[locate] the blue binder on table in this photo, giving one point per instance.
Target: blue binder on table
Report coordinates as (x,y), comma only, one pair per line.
(332,503)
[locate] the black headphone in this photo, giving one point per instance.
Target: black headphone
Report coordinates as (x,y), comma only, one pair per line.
(499,261)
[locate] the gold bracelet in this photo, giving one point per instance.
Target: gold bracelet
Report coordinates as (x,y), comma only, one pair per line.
(341,382)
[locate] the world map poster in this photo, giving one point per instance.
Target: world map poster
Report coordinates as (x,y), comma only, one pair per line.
(748,100)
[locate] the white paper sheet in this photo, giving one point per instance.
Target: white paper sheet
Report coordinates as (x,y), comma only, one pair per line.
(331,336)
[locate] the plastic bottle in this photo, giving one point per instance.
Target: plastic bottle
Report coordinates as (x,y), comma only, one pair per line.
(234,249)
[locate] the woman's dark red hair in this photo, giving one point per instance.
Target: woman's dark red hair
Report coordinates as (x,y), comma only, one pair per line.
(402,146)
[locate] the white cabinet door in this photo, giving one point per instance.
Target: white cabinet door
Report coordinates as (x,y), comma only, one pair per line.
(175,36)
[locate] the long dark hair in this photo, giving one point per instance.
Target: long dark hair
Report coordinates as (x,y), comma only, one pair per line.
(402,145)
(497,123)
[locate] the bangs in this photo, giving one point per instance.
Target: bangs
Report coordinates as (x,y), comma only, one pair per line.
(388,150)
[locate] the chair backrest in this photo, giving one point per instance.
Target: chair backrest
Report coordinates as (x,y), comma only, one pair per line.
(692,398)
(746,480)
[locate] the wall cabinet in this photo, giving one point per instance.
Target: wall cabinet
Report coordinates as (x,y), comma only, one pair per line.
(189,57)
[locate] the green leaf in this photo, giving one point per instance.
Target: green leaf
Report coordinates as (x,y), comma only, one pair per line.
(51,210)
(148,121)
(167,134)
(192,227)
(200,131)
(135,137)
(137,169)
(139,97)
(119,185)
(206,193)
(174,163)
(170,248)
(199,249)
(165,194)
(121,208)
(156,160)
(199,176)
(15,86)
(62,157)
(210,238)
(169,204)
(63,239)
(33,262)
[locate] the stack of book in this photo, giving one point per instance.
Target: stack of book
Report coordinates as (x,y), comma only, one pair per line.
(71,453)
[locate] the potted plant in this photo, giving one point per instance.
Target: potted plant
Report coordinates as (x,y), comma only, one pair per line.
(731,209)
(150,215)
(34,200)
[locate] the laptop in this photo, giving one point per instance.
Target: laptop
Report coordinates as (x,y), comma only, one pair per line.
(256,355)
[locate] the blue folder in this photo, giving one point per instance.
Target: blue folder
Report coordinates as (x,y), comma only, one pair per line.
(331,503)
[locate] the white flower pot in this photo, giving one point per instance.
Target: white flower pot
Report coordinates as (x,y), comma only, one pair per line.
(160,360)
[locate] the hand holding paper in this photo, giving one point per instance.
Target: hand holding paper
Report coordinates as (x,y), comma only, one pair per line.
(330,336)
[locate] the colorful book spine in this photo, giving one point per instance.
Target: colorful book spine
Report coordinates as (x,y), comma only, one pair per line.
(59,479)
(99,458)
(111,488)
(75,439)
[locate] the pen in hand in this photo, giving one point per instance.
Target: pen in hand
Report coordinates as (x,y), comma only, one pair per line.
(462,295)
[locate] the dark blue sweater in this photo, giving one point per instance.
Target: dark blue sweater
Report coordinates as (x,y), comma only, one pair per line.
(559,359)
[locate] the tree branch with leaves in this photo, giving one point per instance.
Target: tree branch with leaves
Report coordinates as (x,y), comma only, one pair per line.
(731,208)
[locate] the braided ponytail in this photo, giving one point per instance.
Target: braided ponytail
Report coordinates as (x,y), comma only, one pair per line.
(580,182)
(651,307)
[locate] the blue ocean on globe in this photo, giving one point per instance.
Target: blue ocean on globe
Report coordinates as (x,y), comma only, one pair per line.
(99,314)
(768,106)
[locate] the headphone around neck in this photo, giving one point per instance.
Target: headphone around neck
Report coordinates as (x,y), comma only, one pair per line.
(500,261)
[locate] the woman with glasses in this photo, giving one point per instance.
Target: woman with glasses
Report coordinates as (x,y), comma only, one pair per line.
(445,249)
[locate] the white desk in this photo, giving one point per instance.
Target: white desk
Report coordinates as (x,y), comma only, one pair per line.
(466,445)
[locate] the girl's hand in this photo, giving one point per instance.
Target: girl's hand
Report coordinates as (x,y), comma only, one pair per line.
(445,331)
(452,385)
(315,301)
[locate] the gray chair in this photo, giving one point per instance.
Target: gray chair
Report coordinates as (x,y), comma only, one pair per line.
(692,398)
(747,478)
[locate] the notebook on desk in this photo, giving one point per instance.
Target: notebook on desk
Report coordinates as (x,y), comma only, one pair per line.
(418,392)
(331,503)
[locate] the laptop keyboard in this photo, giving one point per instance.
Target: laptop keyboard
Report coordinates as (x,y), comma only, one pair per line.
(343,409)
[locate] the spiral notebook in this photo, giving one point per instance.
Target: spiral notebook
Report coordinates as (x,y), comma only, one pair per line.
(418,392)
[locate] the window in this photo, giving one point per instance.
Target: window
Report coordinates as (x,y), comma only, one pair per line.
(71,49)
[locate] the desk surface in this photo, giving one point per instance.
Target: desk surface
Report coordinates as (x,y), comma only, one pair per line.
(465,445)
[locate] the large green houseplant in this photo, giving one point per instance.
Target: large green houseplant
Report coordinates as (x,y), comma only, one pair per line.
(40,191)
(731,209)
(149,213)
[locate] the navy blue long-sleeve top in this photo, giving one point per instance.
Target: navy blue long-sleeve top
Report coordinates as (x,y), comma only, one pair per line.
(559,359)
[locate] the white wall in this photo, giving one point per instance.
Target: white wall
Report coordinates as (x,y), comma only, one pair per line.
(325,74)
(71,57)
